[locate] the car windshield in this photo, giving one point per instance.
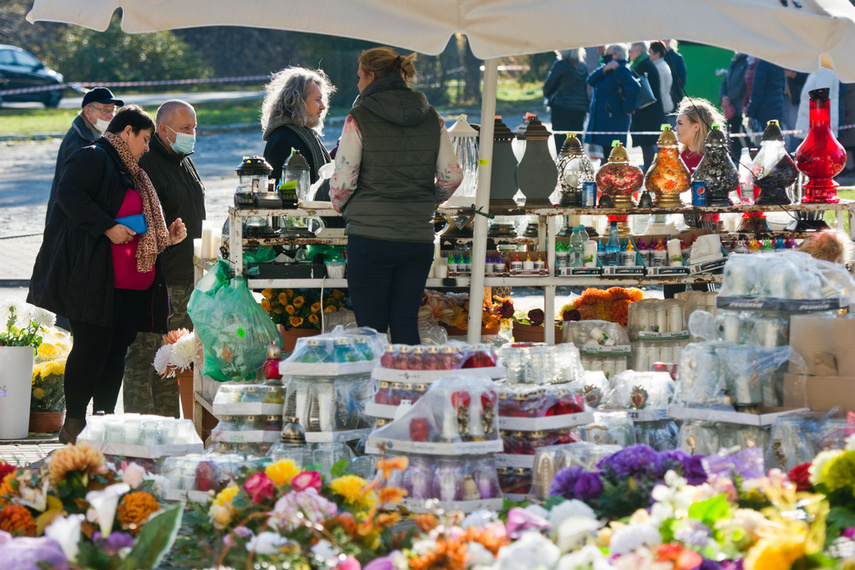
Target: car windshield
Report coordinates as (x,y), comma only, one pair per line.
(7,57)
(25,59)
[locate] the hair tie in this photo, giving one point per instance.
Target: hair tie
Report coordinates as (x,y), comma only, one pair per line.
(400,61)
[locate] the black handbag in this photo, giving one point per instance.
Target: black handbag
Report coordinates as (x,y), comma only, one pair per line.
(645,96)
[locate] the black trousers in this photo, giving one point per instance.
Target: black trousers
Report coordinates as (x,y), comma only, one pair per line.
(96,363)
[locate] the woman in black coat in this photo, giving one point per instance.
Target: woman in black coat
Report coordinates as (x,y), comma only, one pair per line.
(98,262)
(649,118)
(566,93)
(615,91)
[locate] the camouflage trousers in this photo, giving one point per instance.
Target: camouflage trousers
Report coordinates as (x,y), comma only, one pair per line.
(143,390)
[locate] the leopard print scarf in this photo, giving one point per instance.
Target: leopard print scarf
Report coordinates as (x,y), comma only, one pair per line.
(157,238)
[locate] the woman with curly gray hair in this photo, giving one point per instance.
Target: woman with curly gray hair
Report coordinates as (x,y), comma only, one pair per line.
(292,117)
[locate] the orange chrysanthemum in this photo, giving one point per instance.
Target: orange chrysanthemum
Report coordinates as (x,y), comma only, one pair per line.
(135,510)
(391,495)
(283,298)
(17,521)
(426,522)
(7,489)
(267,293)
(265,304)
(313,319)
(447,554)
(346,523)
(316,307)
(387,466)
(330,309)
(80,457)
(298,301)
(486,538)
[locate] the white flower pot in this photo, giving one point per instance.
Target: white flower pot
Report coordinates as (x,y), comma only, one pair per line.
(16,380)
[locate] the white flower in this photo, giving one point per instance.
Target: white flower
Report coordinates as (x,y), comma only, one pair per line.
(478,518)
(537,511)
(571,508)
(531,550)
(587,557)
(104,504)
(325,553)
(160,485)
(266,543)
(478,555)
(184,351)
(574,530)
(163,358)
(66,531)
(133,475)
(632,537)
(819,463)
(850,443)
(11,306)
(45,319)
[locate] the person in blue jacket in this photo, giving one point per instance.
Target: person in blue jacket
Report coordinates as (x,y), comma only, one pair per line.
(767,96)
(613,100)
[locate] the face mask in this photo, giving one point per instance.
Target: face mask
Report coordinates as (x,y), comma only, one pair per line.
(607,58)
(184,143)
(102,125)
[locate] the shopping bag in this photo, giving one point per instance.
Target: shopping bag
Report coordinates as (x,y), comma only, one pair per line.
(234,329)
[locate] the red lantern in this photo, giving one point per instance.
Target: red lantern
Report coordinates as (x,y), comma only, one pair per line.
(820,157)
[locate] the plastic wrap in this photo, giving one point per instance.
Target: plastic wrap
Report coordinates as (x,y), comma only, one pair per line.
(699,438)
(763,328)
(137,429)
(208,472)
(249,394)
(746,463)
(609,365)
(794,440)
(451,478)
(639,390)
(452,356)
(329,404)
(568,363)
(609,428)
(647,353)
(528,442)
(594,334)
(785,275)
(517,401)
(550,460)
(661,435)
(652,318)
(455,409)
(340,346)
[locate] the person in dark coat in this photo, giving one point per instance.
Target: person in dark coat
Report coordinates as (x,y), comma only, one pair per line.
(651,117)
(96,270)
(679,73)
(96,112)
(730,92)
(767,96)
(613,102)
(566,93)
(292,118)
(182,195)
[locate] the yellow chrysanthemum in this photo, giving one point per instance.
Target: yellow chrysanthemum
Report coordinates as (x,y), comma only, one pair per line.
(38,393)
(354,490)
(295,321)
(775,553)
(47,350)
(267,293)
(221,510)
(282,471)
(80,457)
(265,304)
(298,301)
(226,495)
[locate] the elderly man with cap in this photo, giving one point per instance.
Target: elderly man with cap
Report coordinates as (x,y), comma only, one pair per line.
(91,122)
(182,195)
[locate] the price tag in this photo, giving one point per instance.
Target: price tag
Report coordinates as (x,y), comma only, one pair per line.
(483,161)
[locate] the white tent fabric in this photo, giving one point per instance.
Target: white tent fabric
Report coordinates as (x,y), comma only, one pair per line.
(791,36)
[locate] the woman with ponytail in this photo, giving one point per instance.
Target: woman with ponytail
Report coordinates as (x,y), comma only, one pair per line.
(394,166)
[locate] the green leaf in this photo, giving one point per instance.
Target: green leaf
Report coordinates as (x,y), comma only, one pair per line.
(338,468)
(155,539)
(711,510)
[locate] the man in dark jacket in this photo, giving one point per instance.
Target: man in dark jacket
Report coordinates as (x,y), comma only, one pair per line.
(731,92)
(182,195)
(767,96)
(95,114)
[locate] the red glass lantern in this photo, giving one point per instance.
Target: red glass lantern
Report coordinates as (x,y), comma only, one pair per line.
(619,180)
(820,157)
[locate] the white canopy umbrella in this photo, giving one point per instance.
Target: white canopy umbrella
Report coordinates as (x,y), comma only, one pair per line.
(791,33)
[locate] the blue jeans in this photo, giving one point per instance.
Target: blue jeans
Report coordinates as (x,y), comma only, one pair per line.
(387,281)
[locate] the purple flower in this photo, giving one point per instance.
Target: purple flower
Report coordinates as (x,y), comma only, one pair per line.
(731,564)
(635,460)
(26,553)
(673,459)
(114,543)
(693,470)
(708,564)
(384,562)
(849,533)
(520,520)
(588,486)
(565,481)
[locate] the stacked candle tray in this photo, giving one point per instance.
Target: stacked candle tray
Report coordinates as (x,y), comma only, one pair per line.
(198,477)
(604,346)
(250,417)
(404,373)
(541,364)
(550,460)
(450,435)
(142,436)
(657,331)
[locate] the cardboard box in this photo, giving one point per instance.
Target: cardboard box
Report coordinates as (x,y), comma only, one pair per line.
(825,342)
(820,393)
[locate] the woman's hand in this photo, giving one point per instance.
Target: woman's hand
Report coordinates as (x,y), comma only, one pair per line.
(120,234)
(177,231)
(613,64)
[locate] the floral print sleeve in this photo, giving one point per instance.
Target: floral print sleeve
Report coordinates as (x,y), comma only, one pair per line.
(449,175)
(347,162)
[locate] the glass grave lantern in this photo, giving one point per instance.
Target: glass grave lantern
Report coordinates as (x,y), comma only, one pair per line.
(668,176)
(294,188)
(536,173)
(464,141)
(619,180)
(717,170)
(773,169)
(820,157)
(574,169)
(253,181)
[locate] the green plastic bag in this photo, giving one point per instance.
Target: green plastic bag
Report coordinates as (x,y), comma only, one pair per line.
(234,329)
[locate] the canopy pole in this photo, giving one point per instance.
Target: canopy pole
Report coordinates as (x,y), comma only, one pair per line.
(482,199)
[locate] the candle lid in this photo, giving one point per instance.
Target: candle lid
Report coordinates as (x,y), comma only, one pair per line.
(532,129)
(501,132)
(667,137)
(571,146)
(819,94)
(462,128)
(715,138)
(618,153)
(772,132)
(254,165)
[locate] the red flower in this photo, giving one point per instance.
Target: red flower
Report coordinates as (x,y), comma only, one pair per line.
(5,469)
(506,309)
(259,487)
(306,480)
(572,315)
(800,476)
(535,317)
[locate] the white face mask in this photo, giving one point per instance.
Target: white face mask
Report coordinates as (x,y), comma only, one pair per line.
(184,143)
(102,125)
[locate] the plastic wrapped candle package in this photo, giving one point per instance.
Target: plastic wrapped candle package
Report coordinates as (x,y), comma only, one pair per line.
(518,442)
(631,390)
(342,351)
(656,319)
(451,356)
(239,398)
(197,477)
(706,438)
(541,364)
(136,435)
(516,401)
(550,460)
(324,404)
(604,346)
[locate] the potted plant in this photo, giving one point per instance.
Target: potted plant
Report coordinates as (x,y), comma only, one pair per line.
(20,336)
(451,310)
(47,403)
(529,327)
(297,312)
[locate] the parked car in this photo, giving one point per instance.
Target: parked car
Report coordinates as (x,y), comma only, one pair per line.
(19,69)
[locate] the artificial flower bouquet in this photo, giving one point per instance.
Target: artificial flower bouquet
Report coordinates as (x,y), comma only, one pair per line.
(49,372)
(79,512)
(301,308)
(284,516)
(609,305)
(452,309)
(181,348)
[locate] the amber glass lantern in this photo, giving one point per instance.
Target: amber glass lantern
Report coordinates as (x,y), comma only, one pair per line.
(619,180)
(820,157)
(667,177)
(716,169)
(773,169)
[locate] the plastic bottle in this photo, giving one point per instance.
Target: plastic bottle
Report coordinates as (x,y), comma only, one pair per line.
(577,246)
(660,254)
(779,243)
(628,255)
(754,245)
(601,253)
(561,259)
(613,245)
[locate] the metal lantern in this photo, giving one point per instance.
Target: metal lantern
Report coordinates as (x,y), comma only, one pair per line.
(536,173)
(253,173)
(774,171)
(574,169)
(503,181)
(667,177)
(716,169)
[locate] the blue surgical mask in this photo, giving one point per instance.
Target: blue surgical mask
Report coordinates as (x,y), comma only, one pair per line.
(184,143)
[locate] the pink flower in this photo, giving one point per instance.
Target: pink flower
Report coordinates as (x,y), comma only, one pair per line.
(259,487)
(306,480)
(520,520)
(349,563)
